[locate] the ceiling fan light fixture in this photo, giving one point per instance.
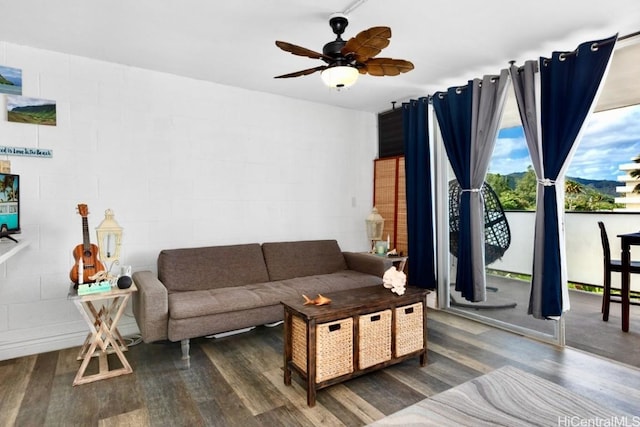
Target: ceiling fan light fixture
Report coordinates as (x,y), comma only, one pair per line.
(340,76)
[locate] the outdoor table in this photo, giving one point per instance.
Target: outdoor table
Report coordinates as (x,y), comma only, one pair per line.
(626,241)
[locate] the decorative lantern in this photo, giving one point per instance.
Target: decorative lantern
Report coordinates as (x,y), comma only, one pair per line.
(375,224)
(109,235)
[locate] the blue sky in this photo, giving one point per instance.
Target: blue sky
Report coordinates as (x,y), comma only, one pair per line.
(611,139)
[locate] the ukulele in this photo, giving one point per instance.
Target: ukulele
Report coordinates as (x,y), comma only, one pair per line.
(86,255)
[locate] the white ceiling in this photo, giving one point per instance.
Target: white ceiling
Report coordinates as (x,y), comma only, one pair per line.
(232,42)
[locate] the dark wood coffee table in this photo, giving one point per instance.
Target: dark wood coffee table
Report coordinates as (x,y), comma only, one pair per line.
(362,330)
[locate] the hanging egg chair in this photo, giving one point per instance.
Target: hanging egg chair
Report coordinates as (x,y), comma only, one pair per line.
(496,228)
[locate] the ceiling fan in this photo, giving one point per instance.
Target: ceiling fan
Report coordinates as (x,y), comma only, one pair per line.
(346,59)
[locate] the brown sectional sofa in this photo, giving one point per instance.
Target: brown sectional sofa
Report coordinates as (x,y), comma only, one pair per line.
(210,290)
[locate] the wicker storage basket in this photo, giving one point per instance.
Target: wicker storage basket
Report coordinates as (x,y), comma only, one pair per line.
(334,347)
(374,338)
(409,329)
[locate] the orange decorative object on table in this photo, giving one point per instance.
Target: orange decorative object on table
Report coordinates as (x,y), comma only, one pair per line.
(319,300)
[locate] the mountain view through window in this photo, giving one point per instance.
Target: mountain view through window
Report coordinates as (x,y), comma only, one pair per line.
(611,138)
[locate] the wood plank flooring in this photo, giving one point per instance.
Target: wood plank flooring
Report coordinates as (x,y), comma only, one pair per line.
(237,381)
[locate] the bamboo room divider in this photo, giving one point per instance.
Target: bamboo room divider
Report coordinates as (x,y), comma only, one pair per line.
(389,196)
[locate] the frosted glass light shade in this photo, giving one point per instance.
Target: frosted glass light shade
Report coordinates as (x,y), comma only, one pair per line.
(339,76)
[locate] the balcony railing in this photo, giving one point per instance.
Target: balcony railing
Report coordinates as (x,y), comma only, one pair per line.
(583,245)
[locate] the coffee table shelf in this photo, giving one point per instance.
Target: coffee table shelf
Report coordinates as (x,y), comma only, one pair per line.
(361,331)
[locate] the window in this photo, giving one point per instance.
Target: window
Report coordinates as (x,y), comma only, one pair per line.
(611,140)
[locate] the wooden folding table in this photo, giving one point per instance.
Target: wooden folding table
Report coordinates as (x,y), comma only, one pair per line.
(102,312)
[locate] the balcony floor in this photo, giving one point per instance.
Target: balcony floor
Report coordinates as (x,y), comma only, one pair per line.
(585,329)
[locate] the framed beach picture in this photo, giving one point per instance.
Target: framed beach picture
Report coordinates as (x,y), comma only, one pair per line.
(21,109)
(10,80)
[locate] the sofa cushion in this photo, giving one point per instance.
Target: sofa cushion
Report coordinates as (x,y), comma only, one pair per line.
(184,305)
(286,260)
(335,282)
(211,267)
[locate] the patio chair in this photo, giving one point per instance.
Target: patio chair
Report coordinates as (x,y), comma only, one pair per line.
(496,228)
(497,236)
(609,266)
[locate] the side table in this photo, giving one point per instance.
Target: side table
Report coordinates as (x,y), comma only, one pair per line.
(399,262)
(104,337)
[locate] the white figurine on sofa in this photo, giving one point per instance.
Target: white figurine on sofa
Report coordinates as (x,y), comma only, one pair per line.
(394,280)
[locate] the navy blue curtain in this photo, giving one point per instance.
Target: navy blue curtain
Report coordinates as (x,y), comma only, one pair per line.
(569,84)
(421,266)
(453,110)
(469,119)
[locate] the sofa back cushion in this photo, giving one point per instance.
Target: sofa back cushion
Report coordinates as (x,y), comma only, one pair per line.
(286,260)
(211,267)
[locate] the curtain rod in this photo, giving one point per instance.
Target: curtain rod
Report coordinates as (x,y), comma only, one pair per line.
(594,45)
(629,36)
(429,98)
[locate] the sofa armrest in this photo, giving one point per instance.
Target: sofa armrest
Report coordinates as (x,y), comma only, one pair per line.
(367,263)
(150,306)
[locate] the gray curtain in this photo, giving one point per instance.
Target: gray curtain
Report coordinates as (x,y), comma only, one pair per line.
(469,131)
(488,103)
(526,86)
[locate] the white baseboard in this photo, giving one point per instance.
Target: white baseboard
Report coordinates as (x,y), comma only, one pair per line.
(37,345)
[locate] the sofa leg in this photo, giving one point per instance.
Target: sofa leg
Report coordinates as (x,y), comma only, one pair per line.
(184,344)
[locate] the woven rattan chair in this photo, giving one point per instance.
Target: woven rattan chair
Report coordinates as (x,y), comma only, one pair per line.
(496,228)
(609,266)
(496,233)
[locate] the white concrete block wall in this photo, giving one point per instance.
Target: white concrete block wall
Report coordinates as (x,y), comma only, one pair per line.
(182,163)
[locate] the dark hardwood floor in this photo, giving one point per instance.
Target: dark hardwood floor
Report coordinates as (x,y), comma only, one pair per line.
(238,381)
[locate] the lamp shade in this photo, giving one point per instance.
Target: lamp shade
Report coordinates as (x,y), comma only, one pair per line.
(340,76)
(375,224)
(109,235)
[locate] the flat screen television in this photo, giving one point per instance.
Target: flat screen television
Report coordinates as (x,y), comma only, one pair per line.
(9,205)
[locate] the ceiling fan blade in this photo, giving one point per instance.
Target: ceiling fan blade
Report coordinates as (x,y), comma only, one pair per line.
(368,43)
(300,51)
(385,67)
(302,72)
